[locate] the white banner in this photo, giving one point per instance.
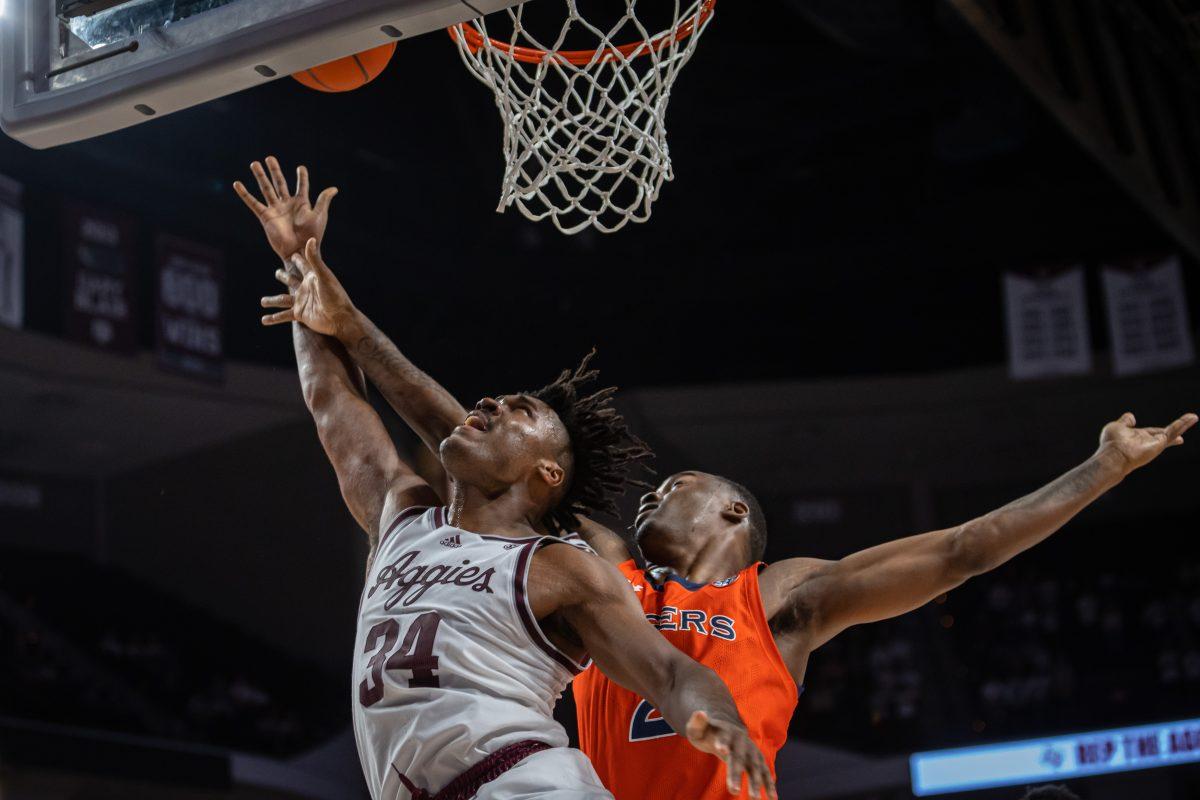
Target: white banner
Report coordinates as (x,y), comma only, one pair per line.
(1148,318)
(12,255)
(1047,325)
(1055,758)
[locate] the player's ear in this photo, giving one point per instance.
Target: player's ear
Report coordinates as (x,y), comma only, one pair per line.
(551,473)
(735,511)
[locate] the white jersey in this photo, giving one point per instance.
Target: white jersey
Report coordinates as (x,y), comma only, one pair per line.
(450,663)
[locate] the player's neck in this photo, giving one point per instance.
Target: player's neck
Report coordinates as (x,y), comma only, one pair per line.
(712,561)
(512,513)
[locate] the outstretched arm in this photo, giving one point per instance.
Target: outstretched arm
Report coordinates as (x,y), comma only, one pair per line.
(595,600)
(373,480)
(427,408)
(899,576)
(375,483)
(289,221)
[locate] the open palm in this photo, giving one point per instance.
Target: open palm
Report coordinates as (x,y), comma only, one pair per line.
(315,296)
(1140,446)
(289,220)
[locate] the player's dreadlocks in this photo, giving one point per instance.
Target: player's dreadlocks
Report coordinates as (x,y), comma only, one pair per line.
(603,448)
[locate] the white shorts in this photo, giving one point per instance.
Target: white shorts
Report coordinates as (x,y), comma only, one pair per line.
(560,773)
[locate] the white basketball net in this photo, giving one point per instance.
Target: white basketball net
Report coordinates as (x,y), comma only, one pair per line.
(584,143)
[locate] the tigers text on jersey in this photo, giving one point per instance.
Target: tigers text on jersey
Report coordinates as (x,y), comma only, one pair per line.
(450,664)
(724,627)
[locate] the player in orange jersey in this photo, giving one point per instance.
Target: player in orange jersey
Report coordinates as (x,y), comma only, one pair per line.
(707,590)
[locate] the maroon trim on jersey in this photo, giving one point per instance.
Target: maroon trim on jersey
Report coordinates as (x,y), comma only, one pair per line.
(408,513)
(521,597)
(468,784)
(439,517)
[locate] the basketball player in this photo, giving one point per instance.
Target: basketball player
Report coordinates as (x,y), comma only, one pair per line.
(472,622)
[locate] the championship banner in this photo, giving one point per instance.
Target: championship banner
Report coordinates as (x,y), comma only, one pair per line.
(1047,324)
(98,253)
(188,326)
(1055,758)
(12,255)
(1148,318)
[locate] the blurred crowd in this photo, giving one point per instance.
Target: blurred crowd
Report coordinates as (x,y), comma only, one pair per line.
(116,654)
(1048,643)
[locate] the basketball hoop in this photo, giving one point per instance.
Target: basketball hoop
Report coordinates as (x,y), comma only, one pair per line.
(585,135)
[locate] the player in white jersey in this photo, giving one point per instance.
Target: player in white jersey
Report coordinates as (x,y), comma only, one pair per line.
(476,675)
(473,620)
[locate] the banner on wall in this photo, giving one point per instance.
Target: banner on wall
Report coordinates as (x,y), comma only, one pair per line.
(12,254)
(1148,317)
(1047,324)
(188,308)
(1055,758)
(100,266)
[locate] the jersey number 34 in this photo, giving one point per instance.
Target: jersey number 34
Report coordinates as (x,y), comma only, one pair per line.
(414,653)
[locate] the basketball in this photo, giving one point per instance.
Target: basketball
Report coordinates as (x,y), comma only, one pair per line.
(349,73)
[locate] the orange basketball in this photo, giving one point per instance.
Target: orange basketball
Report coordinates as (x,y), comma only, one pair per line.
(351,72)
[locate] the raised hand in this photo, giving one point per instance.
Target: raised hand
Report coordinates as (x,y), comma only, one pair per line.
(732,744)
(1137,447)
(315,296)
(289,220)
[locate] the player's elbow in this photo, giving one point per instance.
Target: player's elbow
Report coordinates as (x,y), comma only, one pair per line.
(968,556)
(318,390)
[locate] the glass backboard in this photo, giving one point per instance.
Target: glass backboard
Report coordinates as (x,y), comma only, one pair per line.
(73,69)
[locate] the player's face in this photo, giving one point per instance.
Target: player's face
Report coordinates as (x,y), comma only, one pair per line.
(502,441)
(683,504)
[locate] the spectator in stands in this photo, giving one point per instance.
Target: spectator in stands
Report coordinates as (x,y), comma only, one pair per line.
(1050,792)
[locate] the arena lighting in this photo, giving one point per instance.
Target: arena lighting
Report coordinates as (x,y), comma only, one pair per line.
(1070,756)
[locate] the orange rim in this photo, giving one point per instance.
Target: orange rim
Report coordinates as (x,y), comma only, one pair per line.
(581,58)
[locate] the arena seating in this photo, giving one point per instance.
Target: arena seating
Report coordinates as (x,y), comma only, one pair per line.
(82,644)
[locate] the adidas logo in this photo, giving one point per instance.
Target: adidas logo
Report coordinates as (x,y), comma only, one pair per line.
(452,541)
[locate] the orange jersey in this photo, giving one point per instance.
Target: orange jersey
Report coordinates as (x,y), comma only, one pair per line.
(723,626)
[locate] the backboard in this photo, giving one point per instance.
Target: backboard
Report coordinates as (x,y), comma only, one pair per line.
(73,69)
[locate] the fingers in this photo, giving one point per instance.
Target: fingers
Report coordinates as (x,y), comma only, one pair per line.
(279,317)
(324,199)
(264,185)
(1176,429)
(287,278)
(1128,419)
(277,179)
(250,200)
(766,782)
(301,264)
(312,254)
(302,182)
(734,770)
(277,301)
